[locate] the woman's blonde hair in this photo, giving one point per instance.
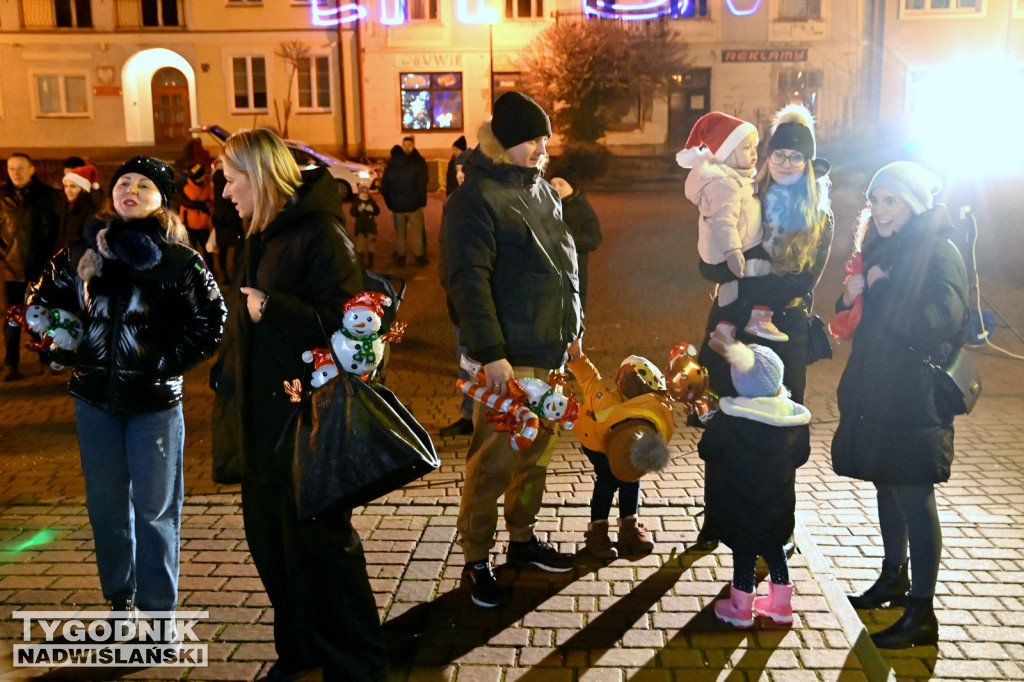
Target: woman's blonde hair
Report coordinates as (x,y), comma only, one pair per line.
(811,210)
(275,177)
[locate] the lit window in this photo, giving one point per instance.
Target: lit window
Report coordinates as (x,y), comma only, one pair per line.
(249,78)
(941,7)
(524,9)
(431,101)
(799,86)
(799,10)
(421,10)
(314,83)
(72,13)
(61,95)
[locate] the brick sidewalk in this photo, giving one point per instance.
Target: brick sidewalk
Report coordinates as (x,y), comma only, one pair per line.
(644,620)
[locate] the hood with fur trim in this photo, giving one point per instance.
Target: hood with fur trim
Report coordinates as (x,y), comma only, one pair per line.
(489,145)
(776,410)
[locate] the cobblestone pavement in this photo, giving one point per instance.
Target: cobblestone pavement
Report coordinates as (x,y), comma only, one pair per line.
(645,620)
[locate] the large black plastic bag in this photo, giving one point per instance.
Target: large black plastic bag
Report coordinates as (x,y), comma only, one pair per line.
(355,443)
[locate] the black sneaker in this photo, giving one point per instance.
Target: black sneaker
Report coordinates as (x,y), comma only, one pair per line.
(533,552)
(484,588)
(462,427)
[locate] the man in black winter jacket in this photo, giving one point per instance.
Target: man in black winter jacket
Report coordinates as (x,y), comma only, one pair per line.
(404,189)
(29,220)
(509,266)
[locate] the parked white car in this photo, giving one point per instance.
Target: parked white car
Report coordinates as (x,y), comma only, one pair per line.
(349,174)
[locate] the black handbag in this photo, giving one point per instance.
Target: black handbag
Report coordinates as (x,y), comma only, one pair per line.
(819,347)
(958,384)
(355,442)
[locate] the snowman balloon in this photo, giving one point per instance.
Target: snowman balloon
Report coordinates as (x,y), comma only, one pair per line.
(358,345)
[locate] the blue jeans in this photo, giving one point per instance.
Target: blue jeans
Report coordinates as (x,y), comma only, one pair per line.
(605,485)
(134,489)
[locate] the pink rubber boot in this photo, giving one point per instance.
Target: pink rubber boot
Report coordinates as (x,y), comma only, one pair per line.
(777,605)
(737,610)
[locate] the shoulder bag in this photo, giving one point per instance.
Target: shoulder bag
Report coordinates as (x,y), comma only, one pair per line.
(958,383)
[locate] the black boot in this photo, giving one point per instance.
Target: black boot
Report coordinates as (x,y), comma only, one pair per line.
(916,627)
(891,587)
(707,539)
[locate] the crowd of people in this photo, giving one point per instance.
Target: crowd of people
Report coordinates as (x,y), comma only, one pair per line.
(132,266)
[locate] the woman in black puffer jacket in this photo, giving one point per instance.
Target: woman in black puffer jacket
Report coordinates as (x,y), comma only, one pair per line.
(150,310)
(893,431)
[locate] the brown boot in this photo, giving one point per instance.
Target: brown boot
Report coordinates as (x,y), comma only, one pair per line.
(634,540)
(597,543)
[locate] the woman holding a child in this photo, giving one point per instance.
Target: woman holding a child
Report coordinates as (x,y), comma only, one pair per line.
(797,226)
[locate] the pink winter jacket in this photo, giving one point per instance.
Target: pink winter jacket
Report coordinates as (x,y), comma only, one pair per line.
(730,213)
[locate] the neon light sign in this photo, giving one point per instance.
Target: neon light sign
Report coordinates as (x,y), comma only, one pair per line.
(393,13)
(652,9)
(332,16)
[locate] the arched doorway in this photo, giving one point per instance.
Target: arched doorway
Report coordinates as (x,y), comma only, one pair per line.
(171,118)
(138,77)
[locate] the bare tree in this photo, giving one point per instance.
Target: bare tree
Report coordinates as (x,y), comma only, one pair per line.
(586,71)
(293,53)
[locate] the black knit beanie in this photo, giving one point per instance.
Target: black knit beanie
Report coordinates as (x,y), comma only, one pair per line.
(460,143)
(517,118)
(156,170)
(792,135)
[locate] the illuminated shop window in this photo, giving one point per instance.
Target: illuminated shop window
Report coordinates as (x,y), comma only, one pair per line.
(421,10)
(314,83)
(60,95)
(799,86)
(249,81)
(73,13)
(524,9)
(799,10)
(431,101)
(941,7)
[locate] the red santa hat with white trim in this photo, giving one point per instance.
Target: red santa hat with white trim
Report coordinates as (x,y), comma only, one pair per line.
(371,300)
(320,357)
(715,135)
(86,177)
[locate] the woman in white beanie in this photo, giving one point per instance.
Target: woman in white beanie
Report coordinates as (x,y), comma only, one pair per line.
(892,430)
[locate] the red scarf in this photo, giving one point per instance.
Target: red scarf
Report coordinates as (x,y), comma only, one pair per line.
(845,322)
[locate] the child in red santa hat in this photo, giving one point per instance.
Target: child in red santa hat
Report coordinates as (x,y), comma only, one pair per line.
(722,151)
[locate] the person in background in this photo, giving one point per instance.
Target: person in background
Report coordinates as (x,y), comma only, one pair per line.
(365,210)
(195,204)
(29,221)
(73,162)
(404,189)
(510,330)
(81,202)
(583,222)
(227,225)
(451,179)
(892,430)
(463,426)
(297,271)
(150,311)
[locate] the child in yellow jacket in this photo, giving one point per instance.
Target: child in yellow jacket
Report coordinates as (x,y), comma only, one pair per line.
(624,431)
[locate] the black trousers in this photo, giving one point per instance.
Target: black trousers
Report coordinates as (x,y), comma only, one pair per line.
(314,572)
(14,293)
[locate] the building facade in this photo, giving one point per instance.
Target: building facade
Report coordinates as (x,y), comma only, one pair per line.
(82,76)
